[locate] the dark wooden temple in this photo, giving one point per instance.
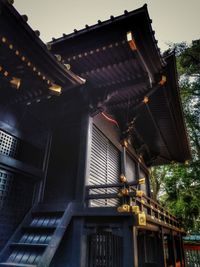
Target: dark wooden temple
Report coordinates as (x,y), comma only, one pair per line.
(81,121)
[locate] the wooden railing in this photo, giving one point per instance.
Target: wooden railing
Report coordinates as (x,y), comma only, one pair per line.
(132,201)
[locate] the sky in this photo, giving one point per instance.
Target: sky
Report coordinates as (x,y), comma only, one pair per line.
(173,20)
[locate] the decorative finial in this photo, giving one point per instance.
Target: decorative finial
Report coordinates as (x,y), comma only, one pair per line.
(10,2)
(37,33)
(25,17)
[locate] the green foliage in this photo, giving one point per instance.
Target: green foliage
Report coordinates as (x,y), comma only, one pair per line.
(178,185)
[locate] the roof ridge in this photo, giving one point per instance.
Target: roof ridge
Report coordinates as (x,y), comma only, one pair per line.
(101,23)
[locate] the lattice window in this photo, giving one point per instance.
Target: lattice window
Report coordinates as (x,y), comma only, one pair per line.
(104,167)
(8,144)
(16,194)
(104,250)
(5,186)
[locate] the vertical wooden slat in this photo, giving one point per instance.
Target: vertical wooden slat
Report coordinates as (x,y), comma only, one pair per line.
(105,250)
(104,167)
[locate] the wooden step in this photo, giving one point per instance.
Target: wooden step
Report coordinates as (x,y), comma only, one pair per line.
(29,245)
(12,264)
(32,229)
(50,207)
(46,213)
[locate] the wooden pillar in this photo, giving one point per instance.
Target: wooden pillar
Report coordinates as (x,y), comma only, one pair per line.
(163,248)
(173,249)
(183,264)
(42,184)
(137,171)
(127,246)
(123,161)
(83,166)
(77,258)
(135,246)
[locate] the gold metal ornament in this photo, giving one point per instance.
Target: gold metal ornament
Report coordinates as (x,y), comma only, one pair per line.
(123,178)
(131,41)
(142,219)
(163,80)
(141,181)
(15,82)
(135,209)
(55,89)
(123,208)
(123,192)
(139,193)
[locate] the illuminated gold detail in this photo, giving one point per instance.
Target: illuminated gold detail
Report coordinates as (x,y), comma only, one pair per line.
(140,159)
(141,181)
(123,178)
(17,52)
(124,143)
(131,41)
(58,57)
(10,46)
(139,193)
(5,73)
(142,219)
(55,89)
(135,209)
(3,39)
(123,192)
(67,66)
(124,208)
(145,100)
(15,82)
(48,82)
(163,80)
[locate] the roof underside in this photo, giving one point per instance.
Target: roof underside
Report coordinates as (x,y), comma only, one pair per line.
(119,78)
(24,56)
